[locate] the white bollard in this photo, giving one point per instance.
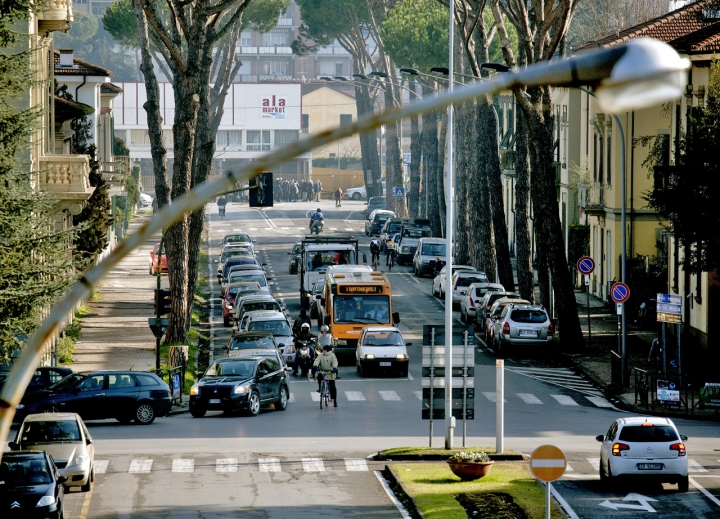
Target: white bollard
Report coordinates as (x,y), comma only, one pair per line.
(499,405)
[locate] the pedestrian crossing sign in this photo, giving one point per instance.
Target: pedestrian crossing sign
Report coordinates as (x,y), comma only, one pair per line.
(399,192)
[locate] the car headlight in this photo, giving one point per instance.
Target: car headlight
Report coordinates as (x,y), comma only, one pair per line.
(401,356)
(46,501)
(195,390)
(240,390)
(404,249)
(79,461)
(369,356)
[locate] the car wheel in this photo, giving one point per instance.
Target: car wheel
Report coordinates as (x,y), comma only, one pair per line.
(360,369)
(87,487)
(197,412)
(145,414)
(611,481)
(603,477)
(254,404)
(463,317)
(282,402)
(356,196)
(683,484)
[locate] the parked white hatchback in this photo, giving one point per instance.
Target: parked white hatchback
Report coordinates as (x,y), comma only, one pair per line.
(382,348)
(647,447)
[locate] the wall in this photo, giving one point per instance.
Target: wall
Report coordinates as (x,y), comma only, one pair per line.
(332,178)
(324,107)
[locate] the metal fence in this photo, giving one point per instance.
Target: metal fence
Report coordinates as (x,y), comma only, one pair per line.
(648,393)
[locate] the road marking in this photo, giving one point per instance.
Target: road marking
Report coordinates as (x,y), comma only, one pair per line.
(269,465)
(491,396)
(705,492)
(101,466)
(140,466)
(356,464)
(419,395)
(529,398)
(86,505)
(595,463)
(348,229)
(226,465)
(694,466)
(252,229)
(564,400)
(410,377)
(568,468)
(315,396)
(183,465)
(599,401)
(313,465)
(284,228)
(354,396)
(389,395)
(564,504)
(333,228)
(643,500)
(292,397)
(391,495)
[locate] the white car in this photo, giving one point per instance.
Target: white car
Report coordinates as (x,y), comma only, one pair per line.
(473,297)
(438,286)
(645,447)
(382,348)
(358,193)
(145,200)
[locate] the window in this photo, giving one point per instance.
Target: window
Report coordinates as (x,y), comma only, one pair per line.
(345,119)
(270,40)
(245,39)
(609,157)
(121,134)
(338,69)
(285,136)
(118,381)
(276,327)
(601,155)
(258,140)
(302,65)
(360,309)
(229,138)
(648,433)
(147,380)
(305,122)
(433,249)
(529,316)
(94,383)
(274,68)
(595,165)
(139,138)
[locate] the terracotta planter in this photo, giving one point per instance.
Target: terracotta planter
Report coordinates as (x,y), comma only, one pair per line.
(470,470)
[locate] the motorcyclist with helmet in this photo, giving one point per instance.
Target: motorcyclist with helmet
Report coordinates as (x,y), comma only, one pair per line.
(316,218)
(303,318)
(303,337)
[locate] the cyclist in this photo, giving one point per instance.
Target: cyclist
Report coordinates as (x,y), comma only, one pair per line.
(375,251)
(389,251)
(326,363)
(222,202)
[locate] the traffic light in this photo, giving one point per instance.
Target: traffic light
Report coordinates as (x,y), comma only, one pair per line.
(261,190)
(162,302)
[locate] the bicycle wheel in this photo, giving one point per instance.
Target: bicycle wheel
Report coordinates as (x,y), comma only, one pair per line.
(322,394)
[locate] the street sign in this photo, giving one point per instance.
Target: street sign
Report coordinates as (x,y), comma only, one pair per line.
(620,292)
(158,331)
(669,308)
(399,192)
(586,265)
(548,463)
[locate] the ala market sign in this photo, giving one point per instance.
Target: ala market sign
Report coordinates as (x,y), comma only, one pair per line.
(273,107)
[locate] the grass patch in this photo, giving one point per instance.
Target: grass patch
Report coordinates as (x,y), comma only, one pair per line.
(191,368)
(96,295)
(435,488)
(70,335)
(424,451)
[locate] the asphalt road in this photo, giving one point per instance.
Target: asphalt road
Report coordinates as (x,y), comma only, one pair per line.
(308,462)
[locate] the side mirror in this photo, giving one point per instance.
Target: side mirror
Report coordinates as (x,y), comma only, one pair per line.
(281,345)
(408,344)
(199,375)
(396,318)
(88,440)
(264,264)
(326,320)
(13,446)
(600,438)
(683,437)
(62,479)
(262,373)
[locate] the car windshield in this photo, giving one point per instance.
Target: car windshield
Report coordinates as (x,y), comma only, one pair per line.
(361,309)
(322,259)
(244,276)
(50,431)
(238,368)
(276,327)
(417,233)
(233,292)
(393,228)
(262,305)
(648,433)
(389,338)
(433,249)
(66,383)
(252,343)
(237,238)
(529,316)
(466,282)
(233,253)
(382,217)
(319,287)
(19,471)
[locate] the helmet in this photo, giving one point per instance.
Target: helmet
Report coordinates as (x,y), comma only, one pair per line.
(305,326)
(325,328)
(318,210)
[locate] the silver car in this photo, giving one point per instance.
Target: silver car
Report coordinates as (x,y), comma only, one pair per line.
(473,297)
(522,325)
(438,286)
(460,282)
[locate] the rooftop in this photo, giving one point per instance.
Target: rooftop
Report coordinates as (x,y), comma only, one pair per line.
(80,68)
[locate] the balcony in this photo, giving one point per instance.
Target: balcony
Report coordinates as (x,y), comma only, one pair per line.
(67,177)
(595,199)
(55,15)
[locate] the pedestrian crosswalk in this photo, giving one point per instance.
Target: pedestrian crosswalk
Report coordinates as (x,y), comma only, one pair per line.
(559,377)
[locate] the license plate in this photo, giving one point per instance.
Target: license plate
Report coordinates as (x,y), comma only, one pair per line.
(384,364)
(528,333)
(214,401)
(650,466)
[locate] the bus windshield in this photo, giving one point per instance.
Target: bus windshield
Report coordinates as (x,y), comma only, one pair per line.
(361,309)
(320,260)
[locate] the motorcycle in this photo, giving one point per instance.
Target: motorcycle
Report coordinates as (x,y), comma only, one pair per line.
(316,226)
(304,357)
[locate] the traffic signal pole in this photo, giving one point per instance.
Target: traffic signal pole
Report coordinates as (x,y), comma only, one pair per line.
(158,336)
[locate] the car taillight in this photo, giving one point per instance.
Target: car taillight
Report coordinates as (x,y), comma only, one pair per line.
(457,281)
(680,447)
(506,328)
(618,448)
(551,330)
(472,303)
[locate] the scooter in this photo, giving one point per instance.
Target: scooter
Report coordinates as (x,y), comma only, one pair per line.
(304,358)
(316,226)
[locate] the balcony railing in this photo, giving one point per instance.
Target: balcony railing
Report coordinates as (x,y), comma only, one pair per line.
(56,10)
(67,177)
(595,201)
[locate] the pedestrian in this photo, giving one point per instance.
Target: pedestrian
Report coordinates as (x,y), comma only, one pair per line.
(317,188)
(338,197)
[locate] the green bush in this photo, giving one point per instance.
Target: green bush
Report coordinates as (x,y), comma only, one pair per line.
(65,350)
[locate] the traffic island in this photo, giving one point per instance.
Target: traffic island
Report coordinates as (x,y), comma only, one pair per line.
(432,491)
(430,454)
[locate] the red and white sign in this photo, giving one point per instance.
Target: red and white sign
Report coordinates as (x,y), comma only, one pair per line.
(273,107)
(548,463)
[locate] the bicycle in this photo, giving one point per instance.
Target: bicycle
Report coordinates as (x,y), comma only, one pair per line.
(391,261)
(221,210)
(375,260)
(324,390)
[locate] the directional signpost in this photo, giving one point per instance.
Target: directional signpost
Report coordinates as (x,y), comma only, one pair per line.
(548,463)
(586,265)
(620,293)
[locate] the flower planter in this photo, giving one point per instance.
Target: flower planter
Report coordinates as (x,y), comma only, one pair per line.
(470,470)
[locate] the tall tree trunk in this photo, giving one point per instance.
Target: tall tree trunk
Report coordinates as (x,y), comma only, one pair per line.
(523,252)
(393,155)
(465,160)
(413,193)
(440,175)
(430,168)
(483,239)
(368,142)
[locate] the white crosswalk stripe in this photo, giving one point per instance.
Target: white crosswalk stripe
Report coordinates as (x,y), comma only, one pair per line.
(529,398)
(694,466)
(226,465)
(140,466)
(561,377)
(101,466)
(418,394)
(291,398)
(600,401)
(564,400)
(315,396)
(269,465)
(491,396)
(183,465)
(354,396)
(389,395)
(568,468)
(313,465)
(356,464)
(595,462)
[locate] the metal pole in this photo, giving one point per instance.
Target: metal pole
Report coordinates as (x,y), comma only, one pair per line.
(432,379)
(547,500)
(499,406)
(158,335)
(587,289)
(464,386)
(623,257)
(679,354)
(664,350)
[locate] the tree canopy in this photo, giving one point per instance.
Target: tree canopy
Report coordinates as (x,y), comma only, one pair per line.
(415,34)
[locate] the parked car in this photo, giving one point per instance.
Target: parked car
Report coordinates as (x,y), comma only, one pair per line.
(472,298)
(98,395)
(240,383)
(295,256)
(382,348)
(494,314)
(522,325)
(44,377)
(375,202)
(358,193)
(65,437)
(376,220)
(31,486)
(438,286)
(145,200)
(426,252)
(487,302)
(230,296)
(643,448)
(154,260)
(278,325)
(315,294)
(463,279)
(410,235)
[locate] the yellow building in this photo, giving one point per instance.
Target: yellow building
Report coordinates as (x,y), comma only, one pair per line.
(325,106)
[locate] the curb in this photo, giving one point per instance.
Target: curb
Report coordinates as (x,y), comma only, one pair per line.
(442,457)
(398,482)
(180,410)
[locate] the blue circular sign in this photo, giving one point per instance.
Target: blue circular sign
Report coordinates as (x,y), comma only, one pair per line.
(620,292)
(586,265)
